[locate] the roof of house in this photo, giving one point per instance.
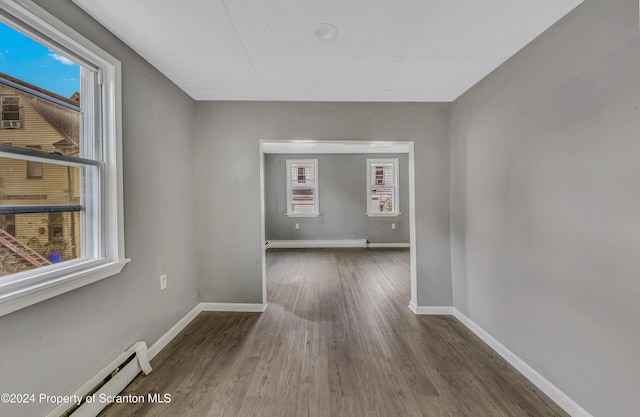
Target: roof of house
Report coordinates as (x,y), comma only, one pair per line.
(73,102)
(52,107)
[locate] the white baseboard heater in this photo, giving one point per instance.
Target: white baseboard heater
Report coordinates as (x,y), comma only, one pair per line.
(108,382)
(344,243)
(293,244)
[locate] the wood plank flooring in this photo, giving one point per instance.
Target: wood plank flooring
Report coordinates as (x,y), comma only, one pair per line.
(336,340)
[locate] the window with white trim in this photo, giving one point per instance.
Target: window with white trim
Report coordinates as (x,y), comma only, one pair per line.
(382,187)
(34,169)
(66,229)
(302,188)
(10,116)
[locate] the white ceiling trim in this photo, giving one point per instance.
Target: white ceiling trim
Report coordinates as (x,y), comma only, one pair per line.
(329,147)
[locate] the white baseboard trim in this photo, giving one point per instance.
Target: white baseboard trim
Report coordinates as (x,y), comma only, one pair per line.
(544,385)
(559,397)
(188,318)
(431,310)
(388,245)
(134,368)
(295,244)
(236,307)
(174,331)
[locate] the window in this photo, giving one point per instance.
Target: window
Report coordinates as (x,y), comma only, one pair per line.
(8,224)
(65,230)
(10,115)
(56,228)
(382,187)
(379,175)
(34,169)
(302,188)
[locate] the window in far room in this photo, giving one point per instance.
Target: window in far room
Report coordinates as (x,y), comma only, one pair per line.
(382,187)
(302,188)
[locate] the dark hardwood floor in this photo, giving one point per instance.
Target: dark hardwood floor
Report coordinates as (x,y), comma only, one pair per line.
(336,340)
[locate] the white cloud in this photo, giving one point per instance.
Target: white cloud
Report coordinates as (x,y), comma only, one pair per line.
(61,59)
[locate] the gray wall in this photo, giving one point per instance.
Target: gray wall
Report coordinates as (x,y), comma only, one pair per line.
(546,208)
(544,211)
(55,346)
(228,239)
(343,201)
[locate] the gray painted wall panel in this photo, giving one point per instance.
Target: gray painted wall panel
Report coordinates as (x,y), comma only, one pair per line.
(545,205)
(228,170)
(343,201)
(55,346)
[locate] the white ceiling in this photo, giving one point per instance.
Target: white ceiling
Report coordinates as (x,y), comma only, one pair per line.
(386,50)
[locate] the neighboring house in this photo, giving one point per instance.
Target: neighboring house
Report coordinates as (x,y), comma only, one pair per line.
(34,118)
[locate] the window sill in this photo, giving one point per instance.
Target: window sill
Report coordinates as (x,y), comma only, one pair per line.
(389,214)
(41,291)
(303,214)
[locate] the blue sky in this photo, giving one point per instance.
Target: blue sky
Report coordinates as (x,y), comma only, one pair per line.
(36,64)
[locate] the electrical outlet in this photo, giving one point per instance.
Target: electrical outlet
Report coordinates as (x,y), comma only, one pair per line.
(393,225)
(163,282)
(297,225)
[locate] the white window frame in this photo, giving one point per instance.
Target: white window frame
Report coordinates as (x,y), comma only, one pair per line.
(396,191)
(12,124)
(30,287)
(316,192)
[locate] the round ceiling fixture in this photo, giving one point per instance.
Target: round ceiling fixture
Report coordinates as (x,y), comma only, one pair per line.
(326,32)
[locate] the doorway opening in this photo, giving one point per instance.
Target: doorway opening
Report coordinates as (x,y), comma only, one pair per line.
(309,148)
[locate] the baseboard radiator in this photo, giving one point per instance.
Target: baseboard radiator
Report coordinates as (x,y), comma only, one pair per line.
(108,382)
(312,243)
(343,243)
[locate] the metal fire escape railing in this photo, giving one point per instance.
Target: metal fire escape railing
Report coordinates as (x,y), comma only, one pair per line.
(22,250)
